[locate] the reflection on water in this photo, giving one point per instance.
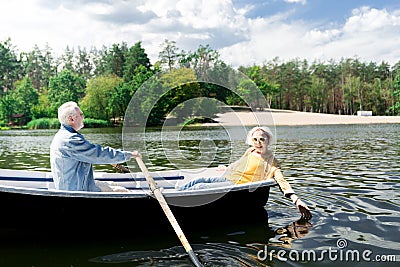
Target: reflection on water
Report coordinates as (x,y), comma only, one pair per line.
(349,175)
(226,247)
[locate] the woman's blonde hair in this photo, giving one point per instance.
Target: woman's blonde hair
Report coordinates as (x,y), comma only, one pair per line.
(265,130)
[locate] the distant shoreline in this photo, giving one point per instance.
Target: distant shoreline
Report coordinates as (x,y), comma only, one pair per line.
(291,118)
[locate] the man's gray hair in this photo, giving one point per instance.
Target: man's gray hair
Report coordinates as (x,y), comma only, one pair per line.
(66,110)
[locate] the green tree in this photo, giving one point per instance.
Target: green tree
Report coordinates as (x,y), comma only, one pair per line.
(135,57)
(39,66)
(180,85)
(290,78)
(43,108)
(169,55)
(396,94)
(119,100)
(49,67)
(352,95)
(64,87)
(255,73)
(220,82)
(387,97)
(10,67)
(95,104)
(26,97)
(33,68)
(148,101)
(7,106)
(66,61)
(317,95)
(202,60)
(269,73)
(122,94)
(115,58)
(100,61)
(84,66)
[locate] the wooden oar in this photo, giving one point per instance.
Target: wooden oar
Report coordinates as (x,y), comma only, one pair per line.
(164,205)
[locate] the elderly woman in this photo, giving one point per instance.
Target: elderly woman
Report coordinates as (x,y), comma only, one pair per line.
(257,164)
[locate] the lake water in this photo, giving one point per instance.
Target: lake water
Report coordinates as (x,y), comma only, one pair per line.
(349,175)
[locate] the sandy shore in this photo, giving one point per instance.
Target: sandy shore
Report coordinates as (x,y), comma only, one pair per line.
(288,117)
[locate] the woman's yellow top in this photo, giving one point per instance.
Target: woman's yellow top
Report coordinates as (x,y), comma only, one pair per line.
(252,168)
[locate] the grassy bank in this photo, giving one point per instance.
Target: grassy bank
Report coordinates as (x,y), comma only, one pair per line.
(52,123)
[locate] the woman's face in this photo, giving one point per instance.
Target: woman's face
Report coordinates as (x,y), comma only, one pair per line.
(260,141)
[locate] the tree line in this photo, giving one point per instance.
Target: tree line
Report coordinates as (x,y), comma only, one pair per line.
(342,87)
(34,84)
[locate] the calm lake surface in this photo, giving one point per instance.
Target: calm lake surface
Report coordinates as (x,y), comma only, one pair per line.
(349,175)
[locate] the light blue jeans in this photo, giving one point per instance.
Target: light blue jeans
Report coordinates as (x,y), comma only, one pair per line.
(205,183)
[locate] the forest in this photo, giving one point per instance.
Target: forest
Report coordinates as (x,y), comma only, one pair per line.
(34,84)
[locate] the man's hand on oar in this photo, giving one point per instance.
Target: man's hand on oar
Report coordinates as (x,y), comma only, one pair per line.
(120,168)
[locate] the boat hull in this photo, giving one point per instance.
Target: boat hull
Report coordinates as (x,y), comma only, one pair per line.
(65,212)
(37,211)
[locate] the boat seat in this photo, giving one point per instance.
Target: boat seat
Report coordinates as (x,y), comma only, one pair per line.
(50,183)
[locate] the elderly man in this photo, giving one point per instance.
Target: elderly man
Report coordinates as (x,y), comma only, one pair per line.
(72,156)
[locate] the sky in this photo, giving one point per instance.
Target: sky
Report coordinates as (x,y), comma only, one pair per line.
(244,32)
